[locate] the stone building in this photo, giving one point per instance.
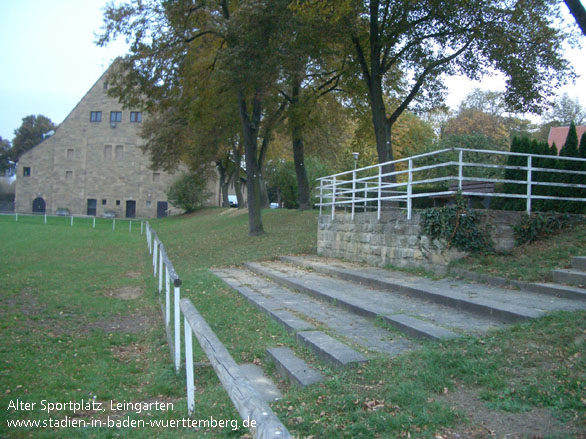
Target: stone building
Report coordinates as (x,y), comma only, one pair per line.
(93,164)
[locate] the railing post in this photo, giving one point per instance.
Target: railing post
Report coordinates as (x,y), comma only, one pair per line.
(130,227)
(333,197)
(155,255)
(167,302)
(321,194)
(45,218)
(365,194)
(529,172)
(141,225)
(460,169)
(380,191)
(113,224)
(71,220)
(94,223)
(160,269)
(409,189)
(189,367)
(177,325)
(353,192)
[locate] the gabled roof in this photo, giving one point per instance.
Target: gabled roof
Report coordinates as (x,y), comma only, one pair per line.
(558,135)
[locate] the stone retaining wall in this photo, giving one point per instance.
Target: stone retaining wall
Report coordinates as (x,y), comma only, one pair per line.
(395,240)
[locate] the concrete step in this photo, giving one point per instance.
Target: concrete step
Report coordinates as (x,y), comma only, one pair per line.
(550,289)
(278,301)
(273,309)
(496,303)
(579,263)
(330,350)
(570,277)
(289,366)
(417,317)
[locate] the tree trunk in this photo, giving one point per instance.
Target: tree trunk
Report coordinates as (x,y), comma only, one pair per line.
(250,138)
(223,184)
(237,182)
(298,147)
(382,129)
(578,12)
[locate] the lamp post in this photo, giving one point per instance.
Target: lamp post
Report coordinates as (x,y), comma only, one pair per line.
(355,155)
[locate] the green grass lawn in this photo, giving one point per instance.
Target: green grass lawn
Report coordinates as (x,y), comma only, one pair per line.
(67,336)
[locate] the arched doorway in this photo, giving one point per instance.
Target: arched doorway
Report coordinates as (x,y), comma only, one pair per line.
(39,205)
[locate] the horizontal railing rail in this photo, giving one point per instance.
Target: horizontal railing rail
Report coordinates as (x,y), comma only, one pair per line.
(70,219)
(369,187)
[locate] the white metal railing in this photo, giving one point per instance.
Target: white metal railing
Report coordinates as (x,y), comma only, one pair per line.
(369,187)
(262,421)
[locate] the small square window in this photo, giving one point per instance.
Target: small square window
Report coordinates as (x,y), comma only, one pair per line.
(107,152)
(115,116)
(156,176)
(104,202)
(70,154)
(95,116)
(68,175)
(135,116)
(26,171)
(117,202)
(148,203)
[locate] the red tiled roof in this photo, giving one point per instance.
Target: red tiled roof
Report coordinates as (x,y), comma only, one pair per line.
(558,135)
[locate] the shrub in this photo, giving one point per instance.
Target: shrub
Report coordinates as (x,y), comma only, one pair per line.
(188,192)
(540,225)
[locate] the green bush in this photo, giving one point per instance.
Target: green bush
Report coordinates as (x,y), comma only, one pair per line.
(188,192)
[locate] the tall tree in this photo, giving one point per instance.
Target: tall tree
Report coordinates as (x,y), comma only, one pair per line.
(565,110)
(234,44)
(6,164)
(32,132)
(405,48)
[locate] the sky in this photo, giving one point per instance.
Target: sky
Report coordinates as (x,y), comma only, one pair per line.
(49,60)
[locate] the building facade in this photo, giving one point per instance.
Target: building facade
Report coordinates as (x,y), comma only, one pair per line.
(93,165)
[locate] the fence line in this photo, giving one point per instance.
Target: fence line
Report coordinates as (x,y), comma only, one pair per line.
(364,186)
(70,219)
(244,396)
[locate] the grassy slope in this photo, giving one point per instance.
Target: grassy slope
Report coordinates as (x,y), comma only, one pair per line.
(541,363)
(532,262)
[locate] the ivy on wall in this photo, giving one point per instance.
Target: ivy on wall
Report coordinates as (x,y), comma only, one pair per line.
(457,225)
(541,225)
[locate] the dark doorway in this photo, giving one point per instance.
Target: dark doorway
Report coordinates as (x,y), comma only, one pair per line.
(91,206)
(161,209)
(39,205)
(130,209)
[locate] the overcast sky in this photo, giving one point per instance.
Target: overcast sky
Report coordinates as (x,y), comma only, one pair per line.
(49,60)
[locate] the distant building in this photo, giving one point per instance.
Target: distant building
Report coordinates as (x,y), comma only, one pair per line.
(558,135)
(93,165)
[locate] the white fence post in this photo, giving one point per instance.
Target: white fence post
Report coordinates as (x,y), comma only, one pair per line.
(321,196)
(353,192)
(160,269)
(365,194)
(189,367)
(16,216)
(155,255)
(177,325)
(113,224)
(141,225)
(94,223)
(529,172)
(45,218)
(130,227)
(409,189)
(460,169)
(71,220)
(167,302)
(380,192)
(334,197)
